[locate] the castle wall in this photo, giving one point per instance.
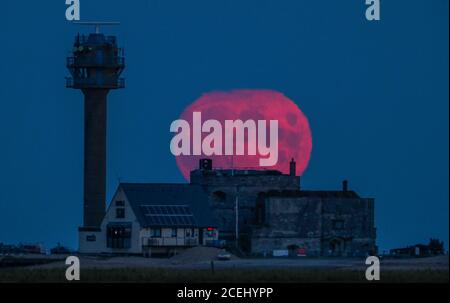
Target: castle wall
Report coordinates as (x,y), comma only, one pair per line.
(223,190)
(276,181)
(328,227)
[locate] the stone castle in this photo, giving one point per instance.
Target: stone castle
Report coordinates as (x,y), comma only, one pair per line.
(274,213)
(258,212)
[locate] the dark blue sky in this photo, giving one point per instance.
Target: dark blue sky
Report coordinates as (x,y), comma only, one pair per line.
(376,95)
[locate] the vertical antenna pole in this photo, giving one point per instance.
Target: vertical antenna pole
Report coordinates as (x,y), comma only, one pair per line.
(232,165)
(237,216)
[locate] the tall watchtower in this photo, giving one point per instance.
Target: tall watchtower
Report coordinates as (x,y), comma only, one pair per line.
(95,66)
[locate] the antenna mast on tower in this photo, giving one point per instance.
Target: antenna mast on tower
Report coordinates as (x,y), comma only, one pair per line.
(97,24)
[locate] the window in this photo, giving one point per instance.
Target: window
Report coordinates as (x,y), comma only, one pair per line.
(156,233)
(338,224)
(190,233)
(260,213)
(120,213)
(219,197)
(120,203)
(118,235)
(174,232)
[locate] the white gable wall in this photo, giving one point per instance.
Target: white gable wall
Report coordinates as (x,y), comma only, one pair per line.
(100,245)
(110,217)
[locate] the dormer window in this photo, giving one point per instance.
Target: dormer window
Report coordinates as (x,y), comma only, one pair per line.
(120,213)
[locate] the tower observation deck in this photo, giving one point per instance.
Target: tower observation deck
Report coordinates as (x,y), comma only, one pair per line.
(95,65)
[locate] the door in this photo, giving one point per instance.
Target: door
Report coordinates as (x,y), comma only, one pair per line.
(200,236)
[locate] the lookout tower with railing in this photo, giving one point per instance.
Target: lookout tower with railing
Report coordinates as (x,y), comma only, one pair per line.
(95,65)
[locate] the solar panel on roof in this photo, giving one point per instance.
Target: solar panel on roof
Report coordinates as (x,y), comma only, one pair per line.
(168,215)
(150,220)
(169,219)
(162,220)
(175,220)
(185,220)
(153,220)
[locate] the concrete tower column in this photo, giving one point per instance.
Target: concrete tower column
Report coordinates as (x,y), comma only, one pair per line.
(95,119)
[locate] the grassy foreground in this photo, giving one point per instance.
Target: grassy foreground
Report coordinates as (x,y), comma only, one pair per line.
(220,275)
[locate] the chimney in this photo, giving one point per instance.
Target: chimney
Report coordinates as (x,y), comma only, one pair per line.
(345,186)
(292,168)
(205,164)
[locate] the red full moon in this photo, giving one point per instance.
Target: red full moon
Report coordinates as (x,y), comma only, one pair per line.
(294,134)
